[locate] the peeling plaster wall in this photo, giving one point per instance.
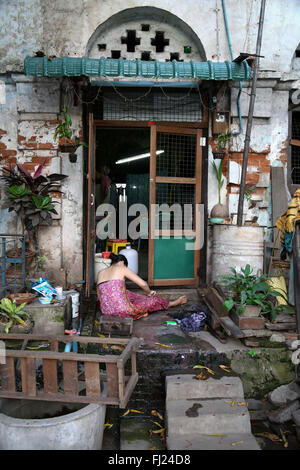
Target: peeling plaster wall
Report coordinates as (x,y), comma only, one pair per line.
(29,111)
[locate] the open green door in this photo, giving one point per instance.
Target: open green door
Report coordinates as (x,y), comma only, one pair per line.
(175,196)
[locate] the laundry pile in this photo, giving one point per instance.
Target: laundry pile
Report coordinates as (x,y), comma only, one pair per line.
(192,318)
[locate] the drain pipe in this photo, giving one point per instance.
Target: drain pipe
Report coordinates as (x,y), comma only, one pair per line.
(231,55)
(250,115)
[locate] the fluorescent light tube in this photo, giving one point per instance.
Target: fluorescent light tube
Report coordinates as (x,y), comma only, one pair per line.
(137,157)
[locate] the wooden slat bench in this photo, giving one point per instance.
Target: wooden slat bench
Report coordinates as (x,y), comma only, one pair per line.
(111,371)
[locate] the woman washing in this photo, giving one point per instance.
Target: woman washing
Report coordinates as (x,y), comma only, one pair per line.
(116,300)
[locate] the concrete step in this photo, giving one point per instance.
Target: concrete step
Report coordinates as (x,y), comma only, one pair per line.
(207,416)
(232,441)
(186,387)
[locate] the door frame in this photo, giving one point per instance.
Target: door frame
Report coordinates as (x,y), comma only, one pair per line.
(90,232)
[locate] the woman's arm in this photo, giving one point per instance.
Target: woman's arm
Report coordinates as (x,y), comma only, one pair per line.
(137,280)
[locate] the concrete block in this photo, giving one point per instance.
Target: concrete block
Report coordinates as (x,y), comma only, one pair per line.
(48,319)
(186,387)
(234,441)
(207,416)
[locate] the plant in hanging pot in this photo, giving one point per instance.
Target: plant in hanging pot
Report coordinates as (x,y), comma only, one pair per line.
(221,142)
(12,317)
(219,211)
(68,143)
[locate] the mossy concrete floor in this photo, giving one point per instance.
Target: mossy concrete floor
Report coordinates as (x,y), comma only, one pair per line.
(166,350)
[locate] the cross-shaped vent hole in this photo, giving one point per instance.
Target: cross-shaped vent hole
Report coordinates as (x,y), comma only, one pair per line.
(159,41)
(131,40)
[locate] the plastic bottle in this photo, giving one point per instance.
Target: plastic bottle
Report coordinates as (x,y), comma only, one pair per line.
(132,257)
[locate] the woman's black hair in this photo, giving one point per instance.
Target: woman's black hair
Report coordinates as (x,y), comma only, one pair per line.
(117,258)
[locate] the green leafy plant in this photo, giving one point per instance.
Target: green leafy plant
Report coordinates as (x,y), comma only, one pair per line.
(30,196)
(13,313)
(64,131)
(40,261)
(219,176)
(222,140)
(250,289)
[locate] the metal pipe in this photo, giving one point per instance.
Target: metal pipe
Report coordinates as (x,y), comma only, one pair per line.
(231,55)
(250,115)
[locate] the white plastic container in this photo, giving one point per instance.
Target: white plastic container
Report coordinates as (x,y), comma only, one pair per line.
(100,263)
(132,257)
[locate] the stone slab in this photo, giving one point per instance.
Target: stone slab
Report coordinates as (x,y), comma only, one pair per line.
(234,441)
(185,387)
(207,416)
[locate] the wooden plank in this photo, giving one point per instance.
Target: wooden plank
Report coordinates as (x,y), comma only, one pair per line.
(7,375)
(279,196)
(50,375)
(229,325)
(136,124)
(62,356)
(295,142)
(173,180)
(128,391)
(64,338)
(152,201)
(216,301)
(62,398)
(92,379)
(121,380)
(30,377)
(112,380)
(70,378)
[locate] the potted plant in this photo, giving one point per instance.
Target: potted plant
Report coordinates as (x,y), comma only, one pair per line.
(221,142)
(12,317)
(250,293)
(219,211)
(68,143)
(30,196)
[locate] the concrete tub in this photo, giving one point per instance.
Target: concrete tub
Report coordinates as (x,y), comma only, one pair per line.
(72,427)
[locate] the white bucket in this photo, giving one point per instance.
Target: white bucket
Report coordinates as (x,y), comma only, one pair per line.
(100,263)
(132,257)
(235,247)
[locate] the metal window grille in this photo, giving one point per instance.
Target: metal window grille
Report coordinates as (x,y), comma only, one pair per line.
(12,263)
(150,104)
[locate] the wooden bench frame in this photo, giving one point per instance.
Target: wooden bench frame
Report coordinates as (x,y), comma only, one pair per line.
(119,387)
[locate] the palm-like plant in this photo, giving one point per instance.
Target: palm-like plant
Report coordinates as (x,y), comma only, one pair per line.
(13,313)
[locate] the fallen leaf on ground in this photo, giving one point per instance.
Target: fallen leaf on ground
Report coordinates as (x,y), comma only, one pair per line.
(204,367)
(119,348)
(285,441)
(158,431)
(130,411)
(164,345)
(268,435)
(201,376)
(156,413)
(226,368)
(157,424)
(242,403)
(236,443)
(108,426)
(233,402)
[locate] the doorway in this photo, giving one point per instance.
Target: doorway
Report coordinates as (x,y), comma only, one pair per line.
(122,164)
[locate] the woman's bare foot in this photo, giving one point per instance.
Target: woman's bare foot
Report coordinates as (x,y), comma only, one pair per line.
(181,300)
